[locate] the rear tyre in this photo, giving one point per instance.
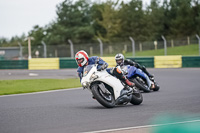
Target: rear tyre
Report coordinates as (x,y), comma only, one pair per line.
(107,100)
(157,87)
(140,83)
(137,97)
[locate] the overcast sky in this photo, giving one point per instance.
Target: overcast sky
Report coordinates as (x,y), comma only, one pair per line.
(19,16)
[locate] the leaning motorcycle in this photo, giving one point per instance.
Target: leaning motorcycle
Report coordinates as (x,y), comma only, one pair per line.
(107,89)
(140,79)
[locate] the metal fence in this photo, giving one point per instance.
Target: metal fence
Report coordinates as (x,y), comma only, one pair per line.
(127,47)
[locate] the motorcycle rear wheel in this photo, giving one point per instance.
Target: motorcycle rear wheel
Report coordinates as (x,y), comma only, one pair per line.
(107,100)
(137,98)
(157,87)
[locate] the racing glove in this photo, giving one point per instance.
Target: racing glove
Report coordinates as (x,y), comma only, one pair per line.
(102,67)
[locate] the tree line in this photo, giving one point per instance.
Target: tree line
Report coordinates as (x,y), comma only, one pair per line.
(82,21)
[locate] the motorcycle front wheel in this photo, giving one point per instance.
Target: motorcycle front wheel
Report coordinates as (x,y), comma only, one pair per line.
(107,100)
(140,83)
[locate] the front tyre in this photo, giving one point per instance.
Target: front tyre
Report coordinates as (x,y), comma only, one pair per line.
(107,100)
(140,83)
(137,97)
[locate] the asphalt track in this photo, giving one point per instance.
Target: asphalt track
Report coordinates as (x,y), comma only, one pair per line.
(37,74)
(73,111)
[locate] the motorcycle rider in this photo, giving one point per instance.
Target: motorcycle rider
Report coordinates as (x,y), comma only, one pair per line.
(82,60)
(120,61)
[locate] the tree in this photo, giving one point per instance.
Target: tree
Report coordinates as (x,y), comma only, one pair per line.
(196,16)
(132,20)
(74,21)
(155,20)
(181,19)
(81,21)
(3,41)
(166,19)
(38,33)
(109,21)
(99,30)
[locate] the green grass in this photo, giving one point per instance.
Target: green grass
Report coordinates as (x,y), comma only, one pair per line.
(34,85)
(192,49)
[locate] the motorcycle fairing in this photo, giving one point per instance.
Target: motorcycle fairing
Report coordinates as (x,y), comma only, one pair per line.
(112,81)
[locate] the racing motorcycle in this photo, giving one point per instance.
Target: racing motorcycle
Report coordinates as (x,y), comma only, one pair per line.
(140,79)
(107,89)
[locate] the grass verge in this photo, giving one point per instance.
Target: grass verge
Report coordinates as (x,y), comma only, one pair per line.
(178,50)
(35,85)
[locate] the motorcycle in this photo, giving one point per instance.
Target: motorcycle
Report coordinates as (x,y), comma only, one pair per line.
(141,80)
(107,89)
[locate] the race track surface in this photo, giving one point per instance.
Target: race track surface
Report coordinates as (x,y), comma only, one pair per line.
(38,74)
(73,111)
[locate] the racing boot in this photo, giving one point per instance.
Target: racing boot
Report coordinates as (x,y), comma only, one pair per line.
(152,86)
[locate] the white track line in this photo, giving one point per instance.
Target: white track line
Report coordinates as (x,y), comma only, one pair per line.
(41,92)
(139,127)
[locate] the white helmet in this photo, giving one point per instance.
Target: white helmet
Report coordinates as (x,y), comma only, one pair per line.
(81,58)
(119,59)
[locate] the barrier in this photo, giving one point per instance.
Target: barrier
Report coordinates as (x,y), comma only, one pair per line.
(13,64)
(67,63)
(110,60)
(168,61)
(56,63)
(191,61)
(43,63)
(143,61)
(71,63)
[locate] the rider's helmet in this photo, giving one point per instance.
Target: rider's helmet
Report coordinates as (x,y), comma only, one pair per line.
(119,58)
(81,58)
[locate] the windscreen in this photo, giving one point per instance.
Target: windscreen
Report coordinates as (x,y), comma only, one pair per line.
(87,69)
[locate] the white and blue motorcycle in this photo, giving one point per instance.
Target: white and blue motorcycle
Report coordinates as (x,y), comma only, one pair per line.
(141,80)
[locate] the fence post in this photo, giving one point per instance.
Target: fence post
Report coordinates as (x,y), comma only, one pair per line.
(71,48)
(133,45)
(188,40)
(110,49)
(91,51)
(165,44)
(140,46)
(199,43)
(56,53)
(20,50)
(125,48)
(45,49)
(156,44)
(172,43)
(29,46)
(101,47)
